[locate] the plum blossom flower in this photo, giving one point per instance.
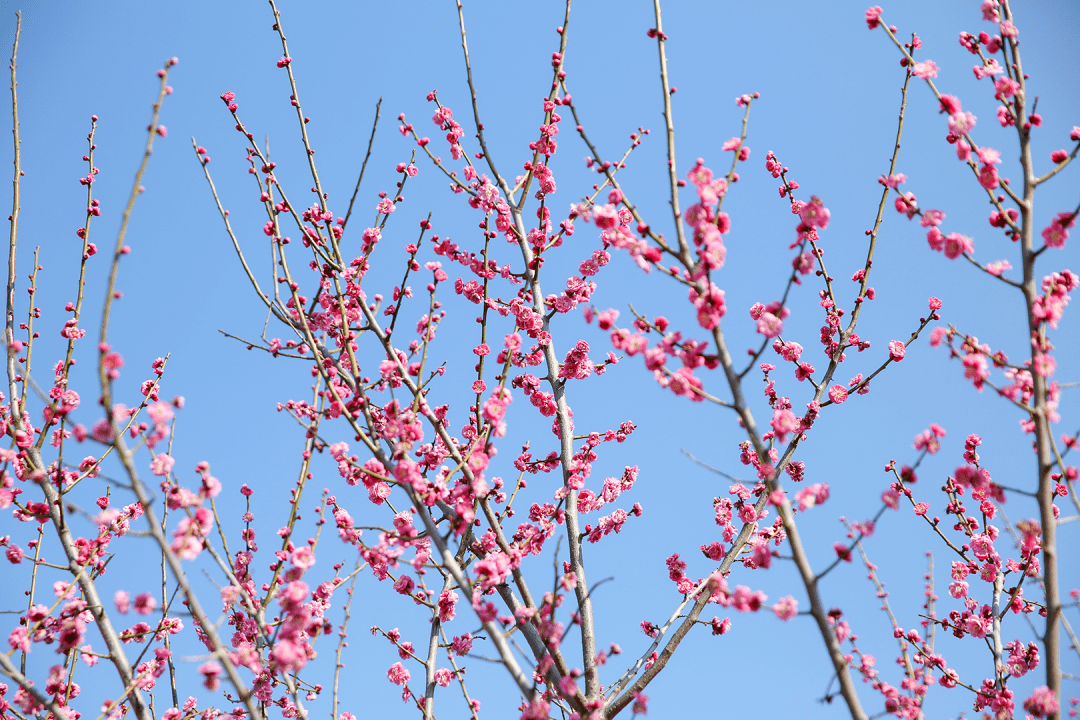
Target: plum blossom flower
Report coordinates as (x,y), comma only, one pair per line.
(988,177)
(1005,116)
(398,674)
(145,604)
(928,439)
(873,16)
(791,351)
(746,600)
(998,267)
(605,217)
(925,70)
(961,123)
(211,672)
(189,533)
(989,156)
(1057,232)
(931,218)
(814,213)
(303,557)
(769,325)
(162,464)
(957,245)
(1042,702)
(936,239)
(1005,87)
(447,606)
(492,570)
(950,104)
(894,180)
(783,423)
(908,204)
(812,496)
(90,660)
(989,69)
(710,306)
(786,608)
(963,150)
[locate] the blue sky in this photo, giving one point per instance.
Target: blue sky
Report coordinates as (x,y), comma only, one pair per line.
(830,94)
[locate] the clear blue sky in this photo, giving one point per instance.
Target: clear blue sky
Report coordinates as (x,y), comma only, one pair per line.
(830,93)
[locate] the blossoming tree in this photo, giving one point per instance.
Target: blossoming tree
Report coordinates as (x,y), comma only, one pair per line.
(487,557)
